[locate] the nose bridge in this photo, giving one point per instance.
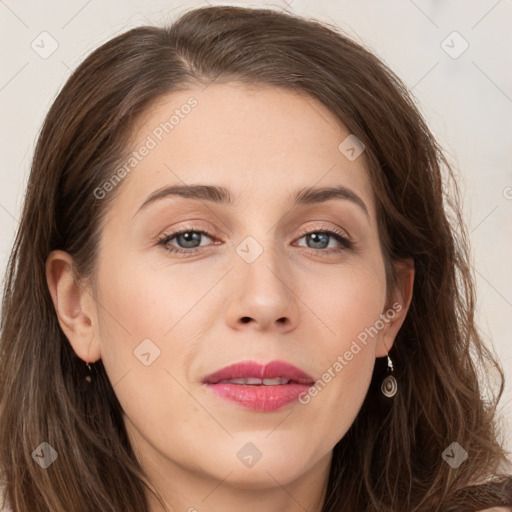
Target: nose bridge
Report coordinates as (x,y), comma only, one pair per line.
(264,291)
(261,257)
(261,241)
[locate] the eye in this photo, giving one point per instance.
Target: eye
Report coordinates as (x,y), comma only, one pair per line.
(321,238)
(189,240)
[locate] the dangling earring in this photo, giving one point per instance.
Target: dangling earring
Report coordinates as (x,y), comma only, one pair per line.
(88,378)
(389,385)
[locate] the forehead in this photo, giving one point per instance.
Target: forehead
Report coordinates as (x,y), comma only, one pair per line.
(259,142)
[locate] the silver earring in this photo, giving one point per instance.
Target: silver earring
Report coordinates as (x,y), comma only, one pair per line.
(88,378)
(389,385)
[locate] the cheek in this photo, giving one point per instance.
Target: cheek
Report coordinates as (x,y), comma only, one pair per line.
(347,302)
(143,346)
(349,309)
(140,303)
(135,313)
(337,397)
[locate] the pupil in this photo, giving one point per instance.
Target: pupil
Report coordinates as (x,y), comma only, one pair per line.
(319,238)
(191,236)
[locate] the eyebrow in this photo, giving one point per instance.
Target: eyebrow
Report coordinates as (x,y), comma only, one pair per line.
(221,195)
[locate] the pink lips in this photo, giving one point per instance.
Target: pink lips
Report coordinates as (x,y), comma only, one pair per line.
(259,396)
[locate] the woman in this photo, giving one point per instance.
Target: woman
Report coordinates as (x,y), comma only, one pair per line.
(235,287)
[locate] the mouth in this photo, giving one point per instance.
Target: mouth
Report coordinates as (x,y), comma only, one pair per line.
(253,381)
(259,387)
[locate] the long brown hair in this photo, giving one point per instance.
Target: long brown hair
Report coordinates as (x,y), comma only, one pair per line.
(391,458)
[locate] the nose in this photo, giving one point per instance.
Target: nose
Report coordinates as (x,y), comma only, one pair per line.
(264,297)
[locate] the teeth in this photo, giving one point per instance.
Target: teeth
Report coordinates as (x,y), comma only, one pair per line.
(234,381)
(253,381)
(275,382)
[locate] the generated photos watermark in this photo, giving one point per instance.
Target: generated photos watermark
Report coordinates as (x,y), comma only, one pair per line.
(355,347)
(150,143)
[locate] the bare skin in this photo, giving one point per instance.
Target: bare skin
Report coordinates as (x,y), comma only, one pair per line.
(262,144)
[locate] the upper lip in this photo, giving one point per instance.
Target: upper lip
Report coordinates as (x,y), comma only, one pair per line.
(271,370)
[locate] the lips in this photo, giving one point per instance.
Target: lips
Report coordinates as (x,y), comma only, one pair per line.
(250,370)
(259,387)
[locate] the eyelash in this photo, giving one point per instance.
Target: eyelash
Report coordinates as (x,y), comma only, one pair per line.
(340,237)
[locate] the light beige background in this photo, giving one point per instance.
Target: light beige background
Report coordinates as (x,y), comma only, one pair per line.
(466,100)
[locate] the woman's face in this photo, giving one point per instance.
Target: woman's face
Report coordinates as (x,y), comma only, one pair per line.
(274,278)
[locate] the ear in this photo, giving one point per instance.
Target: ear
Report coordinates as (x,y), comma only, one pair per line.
(74,305)
(397,306)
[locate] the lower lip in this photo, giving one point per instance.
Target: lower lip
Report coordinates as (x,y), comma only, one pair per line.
(259,398)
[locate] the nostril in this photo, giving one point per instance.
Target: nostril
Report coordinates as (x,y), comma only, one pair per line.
(246,319)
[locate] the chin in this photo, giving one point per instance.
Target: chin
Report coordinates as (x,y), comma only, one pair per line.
(258,466)
(264,476)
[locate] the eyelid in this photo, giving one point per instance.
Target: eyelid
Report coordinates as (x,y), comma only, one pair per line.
(323,227)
